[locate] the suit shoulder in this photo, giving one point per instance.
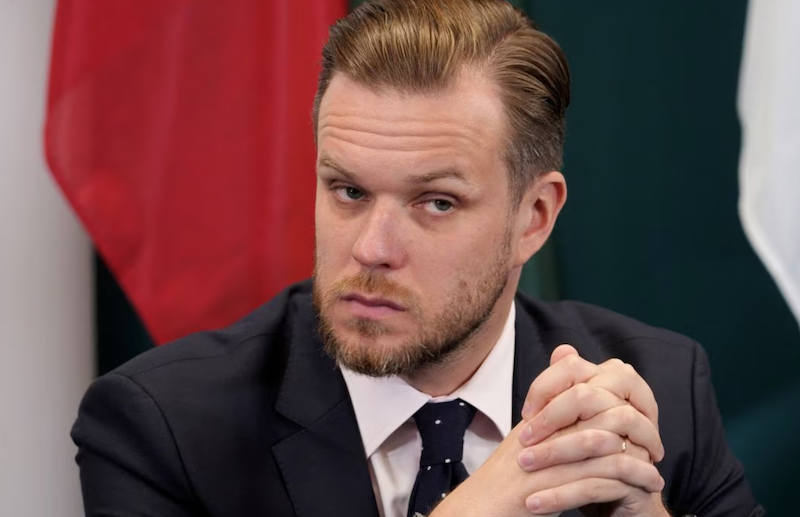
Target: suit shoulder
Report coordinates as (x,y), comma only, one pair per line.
(596,327)
(268,326)
(605,325)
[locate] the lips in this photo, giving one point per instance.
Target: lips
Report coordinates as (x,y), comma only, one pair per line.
(371,307)
(372,301)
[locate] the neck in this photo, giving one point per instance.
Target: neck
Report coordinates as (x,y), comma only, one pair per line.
(443,379)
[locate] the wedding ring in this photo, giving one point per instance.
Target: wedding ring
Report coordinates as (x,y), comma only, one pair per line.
(624,445)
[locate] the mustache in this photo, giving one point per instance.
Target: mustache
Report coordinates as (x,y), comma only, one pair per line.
(374,284)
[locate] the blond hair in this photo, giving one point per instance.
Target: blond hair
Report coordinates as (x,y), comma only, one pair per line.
(421,46)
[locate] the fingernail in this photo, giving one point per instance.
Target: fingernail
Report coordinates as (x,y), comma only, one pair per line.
(533,503)
(526,408)
(526,434)
(526,460)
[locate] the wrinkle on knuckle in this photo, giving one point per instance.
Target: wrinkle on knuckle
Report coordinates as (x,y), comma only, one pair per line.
(594,490)
(627,415)
(545,454)
(542,420)
(593,441)
(583,394)
(554,500)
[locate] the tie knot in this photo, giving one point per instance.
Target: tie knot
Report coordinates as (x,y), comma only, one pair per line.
(442,426)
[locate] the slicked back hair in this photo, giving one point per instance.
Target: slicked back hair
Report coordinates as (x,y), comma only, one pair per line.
(422,46)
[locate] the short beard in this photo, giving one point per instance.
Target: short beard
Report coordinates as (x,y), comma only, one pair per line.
(440,338)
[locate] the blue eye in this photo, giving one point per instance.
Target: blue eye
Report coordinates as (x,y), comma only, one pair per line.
(439,206)
(353,193)
(349,193)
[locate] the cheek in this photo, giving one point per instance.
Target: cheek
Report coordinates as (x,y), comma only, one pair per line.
(453,261)
(442,262)
(332,241)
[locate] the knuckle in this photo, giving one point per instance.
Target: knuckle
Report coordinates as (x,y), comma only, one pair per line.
(545,454)
(627,415)
(657,480)
(614,362)
(593,441)
(583,393)
(572,361)
(555,499)
(594,490)
(542,420)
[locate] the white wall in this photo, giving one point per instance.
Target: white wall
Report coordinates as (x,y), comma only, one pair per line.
(46,336)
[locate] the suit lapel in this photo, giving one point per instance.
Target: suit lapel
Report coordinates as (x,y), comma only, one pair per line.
(323,465)
(531,357)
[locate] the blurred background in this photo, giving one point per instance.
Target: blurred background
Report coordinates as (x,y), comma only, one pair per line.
(156,178)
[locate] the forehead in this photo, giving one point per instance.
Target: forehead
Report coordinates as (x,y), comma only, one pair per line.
(464,123)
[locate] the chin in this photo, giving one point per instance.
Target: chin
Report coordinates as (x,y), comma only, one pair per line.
(374,355)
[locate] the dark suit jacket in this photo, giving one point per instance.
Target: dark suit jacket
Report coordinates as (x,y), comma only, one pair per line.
(256,420)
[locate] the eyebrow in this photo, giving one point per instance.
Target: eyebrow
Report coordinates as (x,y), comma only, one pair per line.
(324,161)
(421,179)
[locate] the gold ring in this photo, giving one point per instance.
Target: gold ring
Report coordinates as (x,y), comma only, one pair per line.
(624,446)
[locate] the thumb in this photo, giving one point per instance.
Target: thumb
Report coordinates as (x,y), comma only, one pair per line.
(561,352)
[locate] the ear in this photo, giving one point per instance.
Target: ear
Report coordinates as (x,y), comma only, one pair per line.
(537,214)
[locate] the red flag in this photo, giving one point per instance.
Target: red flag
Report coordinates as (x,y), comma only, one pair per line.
(180,131)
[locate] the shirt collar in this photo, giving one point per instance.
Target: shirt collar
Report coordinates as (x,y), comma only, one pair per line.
(383,404)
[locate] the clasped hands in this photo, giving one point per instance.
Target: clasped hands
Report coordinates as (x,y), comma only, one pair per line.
(588,439)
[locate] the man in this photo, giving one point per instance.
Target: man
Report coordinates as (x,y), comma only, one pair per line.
(439,127)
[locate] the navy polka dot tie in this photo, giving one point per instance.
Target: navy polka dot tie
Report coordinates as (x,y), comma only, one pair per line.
(442,428)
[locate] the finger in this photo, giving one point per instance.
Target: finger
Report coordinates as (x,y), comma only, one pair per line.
(627,384)
(580,402)
(633,472)
(561,352)
(580,493)
(611,364)
(631,448)
(553,381)
(628,421)
(636,451)
(573,447)
(564,374)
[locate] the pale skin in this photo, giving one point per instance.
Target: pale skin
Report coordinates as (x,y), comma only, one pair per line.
(579,414)
(414,187)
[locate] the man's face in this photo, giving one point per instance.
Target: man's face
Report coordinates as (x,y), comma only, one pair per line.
(413,238)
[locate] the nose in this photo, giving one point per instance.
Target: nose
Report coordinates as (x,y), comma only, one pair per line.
(379,244)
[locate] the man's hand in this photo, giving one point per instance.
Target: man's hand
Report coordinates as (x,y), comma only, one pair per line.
(569,452)
(602,419)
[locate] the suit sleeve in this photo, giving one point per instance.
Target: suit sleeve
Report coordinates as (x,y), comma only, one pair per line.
(716,486)
(129,463)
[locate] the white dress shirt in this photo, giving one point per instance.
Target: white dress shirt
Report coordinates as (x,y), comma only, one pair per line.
(385,409)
